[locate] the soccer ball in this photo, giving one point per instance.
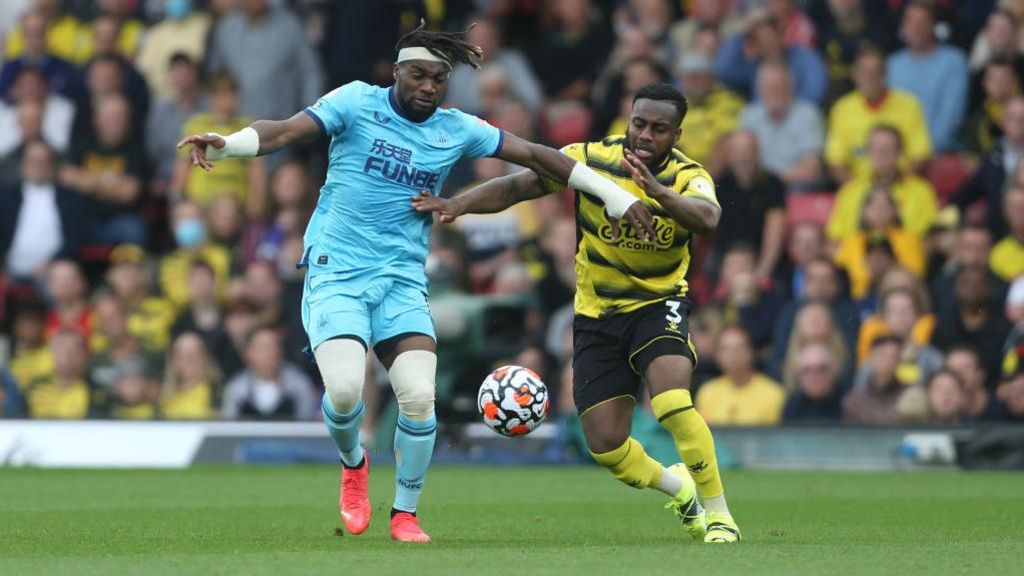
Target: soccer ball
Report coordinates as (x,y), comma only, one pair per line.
(513,401)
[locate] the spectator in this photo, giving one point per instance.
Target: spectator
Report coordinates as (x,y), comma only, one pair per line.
(790,132)
(947,404)
(814,324)
(974,320)
(133,396)
(119,29)
(168,117)
(225,221)
(844,27)
(704,15)
(743,300)
(263,46)
(464,82)
(30,356)
(149,317)
(822,285)
(64,393)
(108,171)
(741,396)
(1007,259)
(966,364)
(1000,38)
(59,73)
(205,317)
(972,249)
(615,102)
(996,169)
(58,113)
(999,85)
(712,109)
(797,29)
(182,31)
(12,404)
(875,399)
(290,208)
(753,205)
(903,312)
(269,388)
(914,196)
(262,288)
(244,178)
(40,221)
(109,74)
(1011,395)
(566,57)
(940,242)
(112,344)
(760,40)
(806,242)
(188,390)
(68,290)
(879,220)
(936,73)
(28,127)
(190,236)
(854,116)
(64,34)
(816,395)
(1013,349)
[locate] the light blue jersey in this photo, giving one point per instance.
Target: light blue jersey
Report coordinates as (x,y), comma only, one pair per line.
(365,245)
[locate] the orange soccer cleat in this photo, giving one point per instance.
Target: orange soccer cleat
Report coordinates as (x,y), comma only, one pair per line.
(354,501)
(406,528)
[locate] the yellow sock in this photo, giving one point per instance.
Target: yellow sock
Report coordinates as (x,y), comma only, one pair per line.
(674,411)
(631,465)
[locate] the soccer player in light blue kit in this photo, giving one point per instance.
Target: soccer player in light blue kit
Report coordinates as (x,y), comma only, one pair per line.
(365,245)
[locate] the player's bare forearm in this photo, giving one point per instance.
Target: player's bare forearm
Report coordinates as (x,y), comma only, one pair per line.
(277,134)
(499,193)
(695,214)
(546,162)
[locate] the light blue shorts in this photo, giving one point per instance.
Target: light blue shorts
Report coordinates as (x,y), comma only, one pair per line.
(372,307)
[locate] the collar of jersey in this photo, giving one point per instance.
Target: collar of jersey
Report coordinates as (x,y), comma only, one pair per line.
(393,101)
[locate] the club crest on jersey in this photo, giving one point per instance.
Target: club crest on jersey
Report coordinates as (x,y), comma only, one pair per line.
(380,117)
(664,236)
(442,138)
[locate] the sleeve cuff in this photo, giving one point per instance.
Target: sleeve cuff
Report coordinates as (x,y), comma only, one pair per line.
(319,122)
(501,142)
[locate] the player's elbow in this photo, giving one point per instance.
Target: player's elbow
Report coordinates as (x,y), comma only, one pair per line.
(707,220)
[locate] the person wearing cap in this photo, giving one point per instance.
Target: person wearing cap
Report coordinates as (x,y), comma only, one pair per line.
(713,110)
(149,317)
(916,201)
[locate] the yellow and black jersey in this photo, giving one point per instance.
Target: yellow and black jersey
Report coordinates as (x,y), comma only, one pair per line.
(613,277)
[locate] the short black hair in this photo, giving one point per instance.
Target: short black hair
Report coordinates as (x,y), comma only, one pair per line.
(449,46)
(666,93)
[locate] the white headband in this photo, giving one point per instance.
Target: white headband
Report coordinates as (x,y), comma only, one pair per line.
(419,53)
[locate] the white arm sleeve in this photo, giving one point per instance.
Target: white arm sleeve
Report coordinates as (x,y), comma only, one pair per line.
(616,200)
(244,143)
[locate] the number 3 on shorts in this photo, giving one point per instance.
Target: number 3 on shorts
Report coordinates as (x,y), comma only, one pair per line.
(673,311)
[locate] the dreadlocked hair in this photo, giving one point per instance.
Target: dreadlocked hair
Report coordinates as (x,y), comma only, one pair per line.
(451,46)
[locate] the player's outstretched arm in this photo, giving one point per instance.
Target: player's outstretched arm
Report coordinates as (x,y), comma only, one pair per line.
(697,215)
(261,137)
(492,196)
(553,165)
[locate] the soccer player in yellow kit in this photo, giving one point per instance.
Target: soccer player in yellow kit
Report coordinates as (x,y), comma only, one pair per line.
(631,306)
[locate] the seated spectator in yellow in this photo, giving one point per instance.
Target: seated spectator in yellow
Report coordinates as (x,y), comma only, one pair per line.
(65,35)
(742,396)
(245,178)
(188,390)
(149,317)
(1007,259)
(133,395)
(30,357)
(64,393)
(189,227)
(713,111)
(879,219)
(112,26)
(915,198)
(908,318)
(872,103)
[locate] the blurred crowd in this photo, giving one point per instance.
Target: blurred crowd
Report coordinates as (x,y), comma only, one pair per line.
(868,268)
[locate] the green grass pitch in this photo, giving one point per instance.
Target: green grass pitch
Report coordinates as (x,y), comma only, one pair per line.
(503,521)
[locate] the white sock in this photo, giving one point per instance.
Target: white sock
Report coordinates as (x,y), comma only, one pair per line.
(670,483)
(716,505)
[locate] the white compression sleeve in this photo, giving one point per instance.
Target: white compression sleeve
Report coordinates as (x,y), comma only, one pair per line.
(616,200)
(342,364)
(244,143)
(412,377)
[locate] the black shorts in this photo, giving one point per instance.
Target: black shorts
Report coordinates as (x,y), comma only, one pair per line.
(610,355)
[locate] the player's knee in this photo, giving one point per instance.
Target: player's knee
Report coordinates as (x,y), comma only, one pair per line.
(342,365)
(412,376)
